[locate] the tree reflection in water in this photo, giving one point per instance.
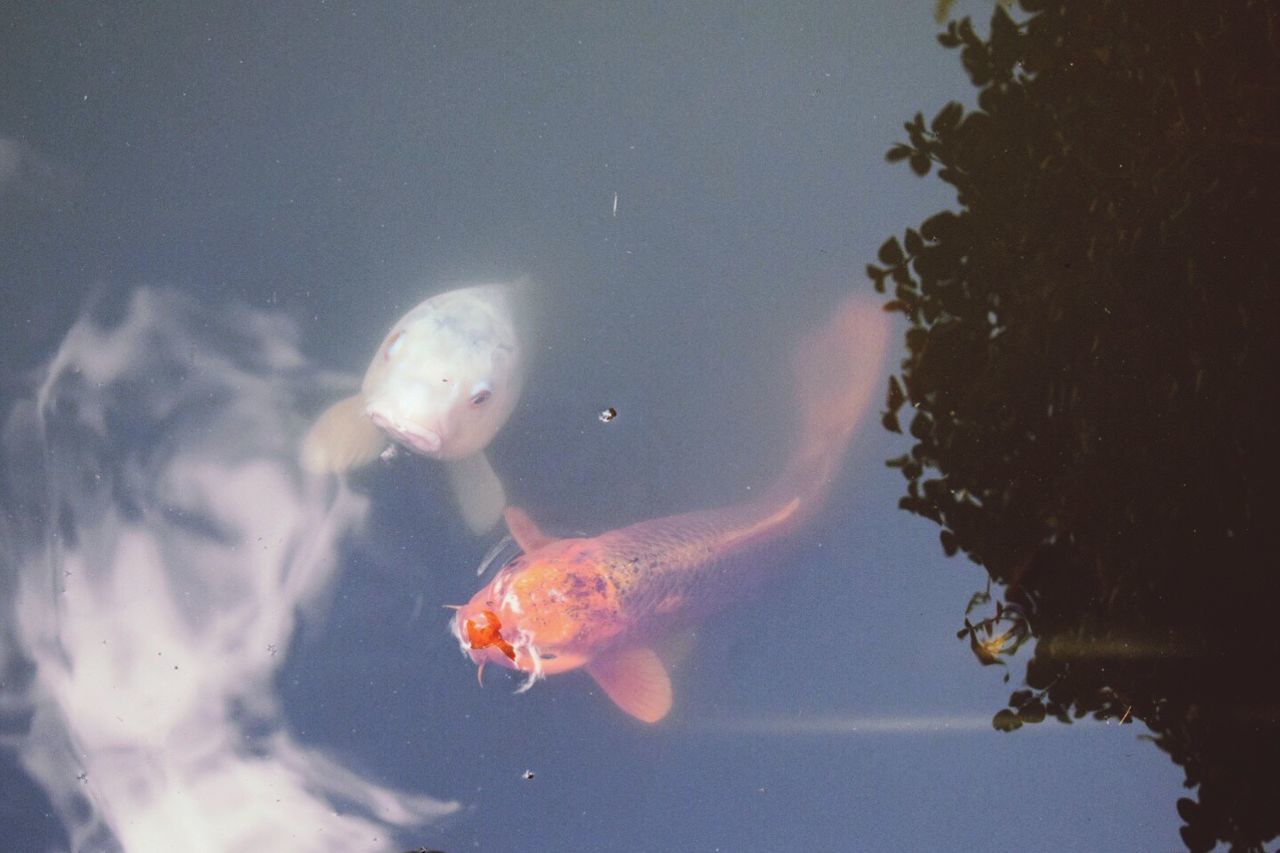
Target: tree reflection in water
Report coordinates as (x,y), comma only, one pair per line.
(1092,343)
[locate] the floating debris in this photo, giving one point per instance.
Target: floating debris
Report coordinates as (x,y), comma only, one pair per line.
(608,415)
(527,775)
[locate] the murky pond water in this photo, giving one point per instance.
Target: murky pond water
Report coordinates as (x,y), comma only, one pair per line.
(209,221)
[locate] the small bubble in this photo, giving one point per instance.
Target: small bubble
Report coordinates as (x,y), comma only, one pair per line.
(608,415)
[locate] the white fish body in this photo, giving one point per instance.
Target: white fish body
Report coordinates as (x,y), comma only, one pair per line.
(442,383)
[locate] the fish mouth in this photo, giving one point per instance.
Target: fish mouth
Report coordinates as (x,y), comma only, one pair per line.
(419,439)
(484,639)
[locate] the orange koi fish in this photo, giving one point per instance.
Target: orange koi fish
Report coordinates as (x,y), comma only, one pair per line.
(597,603)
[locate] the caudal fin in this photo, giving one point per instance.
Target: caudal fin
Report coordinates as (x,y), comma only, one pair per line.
(837,371)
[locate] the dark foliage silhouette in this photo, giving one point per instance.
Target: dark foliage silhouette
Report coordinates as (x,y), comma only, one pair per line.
(1092,344)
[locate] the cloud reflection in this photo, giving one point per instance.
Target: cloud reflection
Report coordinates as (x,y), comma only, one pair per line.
(160,545)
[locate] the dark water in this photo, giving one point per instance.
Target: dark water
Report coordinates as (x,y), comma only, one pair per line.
(209,218)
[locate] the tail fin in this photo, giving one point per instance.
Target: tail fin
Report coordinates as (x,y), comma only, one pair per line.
(837,371)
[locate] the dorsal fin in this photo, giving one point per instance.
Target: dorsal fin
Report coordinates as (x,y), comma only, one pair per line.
(523,529)
(635,679)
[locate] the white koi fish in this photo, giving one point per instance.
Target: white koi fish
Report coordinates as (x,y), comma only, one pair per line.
(443,382)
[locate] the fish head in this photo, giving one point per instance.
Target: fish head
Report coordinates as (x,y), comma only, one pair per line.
(542,614)
(447,376)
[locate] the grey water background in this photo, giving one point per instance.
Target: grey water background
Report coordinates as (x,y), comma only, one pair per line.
(333,165)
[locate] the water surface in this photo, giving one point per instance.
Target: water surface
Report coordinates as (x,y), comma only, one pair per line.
(210,217)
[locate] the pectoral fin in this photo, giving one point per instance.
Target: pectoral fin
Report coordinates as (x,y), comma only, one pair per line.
(637,682)
(523,529)
(477,490)
(342,438)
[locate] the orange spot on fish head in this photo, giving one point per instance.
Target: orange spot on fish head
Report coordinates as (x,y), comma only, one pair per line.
(484,630)
(484,633)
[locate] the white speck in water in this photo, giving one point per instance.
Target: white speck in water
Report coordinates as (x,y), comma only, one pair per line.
(607,415)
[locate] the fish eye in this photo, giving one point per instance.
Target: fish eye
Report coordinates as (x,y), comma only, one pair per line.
(394,344)
(480,394)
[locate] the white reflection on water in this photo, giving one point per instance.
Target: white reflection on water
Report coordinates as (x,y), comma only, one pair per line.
(882,725)
(850,725)
(160,545)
